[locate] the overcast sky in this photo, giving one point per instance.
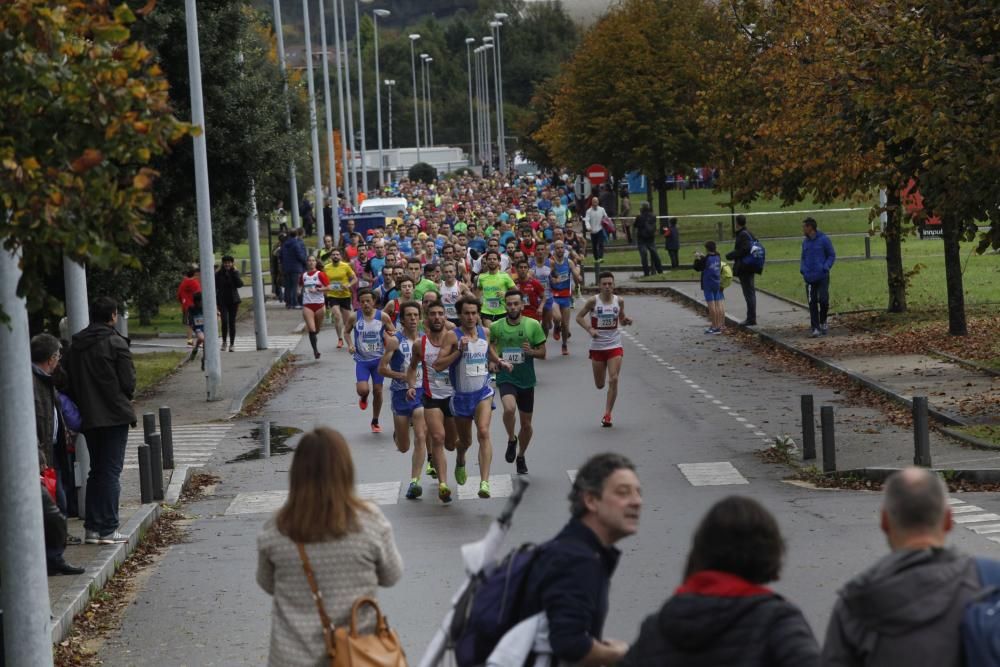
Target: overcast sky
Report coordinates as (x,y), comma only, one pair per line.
(585,10)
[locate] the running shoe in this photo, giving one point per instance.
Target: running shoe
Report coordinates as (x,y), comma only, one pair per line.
(710,330)
(511,450)
(484,489)
(431,471)
(190,342)
(522,466)
(565,350)
(444,493)
(606,421)
(317,354)
(414,490)
(715,332)
(556,332)
(460,475)
(232,348)
(340,343)
(375,427)
(824,328)
(194,354)
(363,403)
(816,333)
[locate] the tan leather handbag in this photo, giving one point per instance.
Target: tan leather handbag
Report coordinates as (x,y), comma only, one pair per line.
(348,648)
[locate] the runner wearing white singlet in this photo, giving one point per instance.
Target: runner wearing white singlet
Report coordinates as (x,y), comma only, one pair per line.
(601,316)
(451,291)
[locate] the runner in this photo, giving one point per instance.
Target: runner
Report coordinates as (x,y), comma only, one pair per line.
(406,411)
(541,266)
(342,280)
(564,271)
(451,291)
(392,308)
(518,340)
(467,355)
(491,286)
(436,393)
(314,285)
(607,312)
(532,291)
(367,345)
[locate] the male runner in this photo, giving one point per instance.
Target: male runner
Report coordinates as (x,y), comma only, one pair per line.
(491,286)
(540,265)
(429,280)
(367,345)
(531,289)
(406,411)
(451,291)
(518,340)
(467,355)
(607,312)
(392,308)
(436,394)
(338,296)
(564,271)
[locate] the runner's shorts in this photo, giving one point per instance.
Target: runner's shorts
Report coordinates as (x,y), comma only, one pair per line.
(367,369)
(714,295)
(525,397)
(563,301)
(464,404)
(548,304)
(442,404)
(402,406)
(604,355)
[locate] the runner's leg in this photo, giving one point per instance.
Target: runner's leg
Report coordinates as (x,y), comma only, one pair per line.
(614,370)
(600,369)
(483,417)
(524,435)
(509,403)
(377,400)
(401,433)
(436,435)
(419,443)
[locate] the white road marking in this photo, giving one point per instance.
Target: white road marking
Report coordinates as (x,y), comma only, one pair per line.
(982,530)
(976,518)
(193,443)
(955,501)
(712,474)
(249,343)
(966,509)
(265,502)
(572,475)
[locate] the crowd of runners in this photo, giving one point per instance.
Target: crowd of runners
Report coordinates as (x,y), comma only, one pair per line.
(453,301)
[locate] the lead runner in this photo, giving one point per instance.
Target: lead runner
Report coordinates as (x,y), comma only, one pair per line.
(607,313)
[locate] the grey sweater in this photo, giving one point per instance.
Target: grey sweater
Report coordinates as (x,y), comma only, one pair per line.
(346,569)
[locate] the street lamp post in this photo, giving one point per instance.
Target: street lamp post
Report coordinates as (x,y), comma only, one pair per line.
(341,65)
(350,102)
(487,48)
(423,95)
(331,157)
(430,101)
(361,97)
(477,64)
(378,98)
(292,184)
(313,129)
(472,130)
(501,121)
(416,114)
(389,83)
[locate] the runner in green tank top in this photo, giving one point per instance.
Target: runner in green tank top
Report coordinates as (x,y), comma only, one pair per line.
(491,286)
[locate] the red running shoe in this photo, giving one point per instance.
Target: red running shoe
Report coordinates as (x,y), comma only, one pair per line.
(606,421)
(340,343)
(555,331)
(363,403)
(376,428)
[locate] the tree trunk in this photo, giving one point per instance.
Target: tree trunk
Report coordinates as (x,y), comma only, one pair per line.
(894,254)
(661,190)
(951,231)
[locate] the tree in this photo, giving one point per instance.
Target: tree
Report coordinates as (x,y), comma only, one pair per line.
(423,172)
(85,112)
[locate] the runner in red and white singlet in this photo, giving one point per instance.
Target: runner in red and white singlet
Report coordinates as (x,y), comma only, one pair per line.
(602,316)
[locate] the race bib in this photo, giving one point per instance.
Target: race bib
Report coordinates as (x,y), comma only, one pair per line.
(475,370)
(337,287)
(441,378)
(369,346)
(493,303)
(513,355)
(449,311)
(199,321)
(607,321)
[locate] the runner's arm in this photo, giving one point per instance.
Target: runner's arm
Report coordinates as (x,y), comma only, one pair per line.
(621,313)
(581,317)
(391,345)
(576,271)
(446,359)
(353,282)
(411,372)
(389,329)
(349,327)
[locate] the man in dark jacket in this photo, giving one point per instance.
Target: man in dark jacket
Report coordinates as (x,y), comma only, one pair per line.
(102,383)
(744,242)
(227,297)
(907,608)
(645,239)
(293,265)
(672,237)
(817,260)
(571,579)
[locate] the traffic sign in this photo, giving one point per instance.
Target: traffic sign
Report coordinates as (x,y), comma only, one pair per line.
(582,188)
(598,174)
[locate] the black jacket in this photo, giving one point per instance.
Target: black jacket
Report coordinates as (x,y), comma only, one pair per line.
(101,377)
(744,241)
(49,423)
(645,227)
(227,287)
(697,630)
(570,581)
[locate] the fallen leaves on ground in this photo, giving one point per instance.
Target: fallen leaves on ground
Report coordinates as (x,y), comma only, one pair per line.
(275,380)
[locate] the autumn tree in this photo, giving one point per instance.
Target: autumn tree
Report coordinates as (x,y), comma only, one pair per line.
(85,113)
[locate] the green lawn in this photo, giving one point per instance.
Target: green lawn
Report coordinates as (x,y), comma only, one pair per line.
(988,432)
(168,320)
(151,368)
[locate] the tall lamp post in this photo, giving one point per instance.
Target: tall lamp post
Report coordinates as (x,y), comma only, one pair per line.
(292,185)
(350,102)
(423,95)
(377,13)
(361,96)
(389,83)
(480,130)
(487,49)
(501,122)
(331,157)
(416,114)
(472,129)
(430,101)
(341,65)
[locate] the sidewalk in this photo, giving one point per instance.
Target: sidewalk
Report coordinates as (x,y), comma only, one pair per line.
(198,427)
(946,384)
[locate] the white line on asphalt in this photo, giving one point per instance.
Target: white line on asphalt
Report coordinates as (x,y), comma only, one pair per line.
(955,501)
(739,419)
(994,539)
(990,528)
(966,509)
(712,474)
(976,518)
(717,401)
(572,475)
(760,433)
(724,407)
(749,425)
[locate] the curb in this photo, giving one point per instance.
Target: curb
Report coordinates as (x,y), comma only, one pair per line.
(76,598)
(236,406)
(985,476)
(970,439)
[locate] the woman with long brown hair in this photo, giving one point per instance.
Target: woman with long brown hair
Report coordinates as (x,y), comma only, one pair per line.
(348,541)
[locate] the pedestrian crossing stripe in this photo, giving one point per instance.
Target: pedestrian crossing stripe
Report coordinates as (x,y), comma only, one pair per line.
(380,493)
(194,444)
(975,519)
(249,343)
(718,473)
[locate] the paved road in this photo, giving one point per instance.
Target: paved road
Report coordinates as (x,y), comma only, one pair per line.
(686,398)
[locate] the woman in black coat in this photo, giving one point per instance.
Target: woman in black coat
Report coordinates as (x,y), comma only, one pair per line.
(722,614)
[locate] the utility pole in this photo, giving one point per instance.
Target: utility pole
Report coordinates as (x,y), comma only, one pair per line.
(361,100)
(472,129)
(331,158)
(314,130)
(213,364)
(25,590)
(256,273)
(350,103)
(345,172)
(292,184)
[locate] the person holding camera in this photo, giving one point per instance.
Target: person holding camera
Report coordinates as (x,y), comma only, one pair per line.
(227,297)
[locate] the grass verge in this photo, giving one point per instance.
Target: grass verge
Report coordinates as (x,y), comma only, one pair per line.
(988,432)
(153,368)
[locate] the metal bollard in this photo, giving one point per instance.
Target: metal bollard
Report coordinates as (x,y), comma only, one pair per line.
(868,247)
(921,433)
(156,465)
(265,437)
(167,437)
(145,475)
(829,446)
(718,231)
(808,428)
(148,425)
(243,267)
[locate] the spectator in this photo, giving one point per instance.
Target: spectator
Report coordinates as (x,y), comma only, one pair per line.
(348,542)
(722,614)
(710,266)
(307,215)
(672,236)
(102,383)
(50,426)
(572,576)
(227,296)
(817,260)
(907,608)
(609,202)
(592,220)
(645,239)
(190,285)
(744,242)
(196,315)
(277,279)
(293,264)
(54,525)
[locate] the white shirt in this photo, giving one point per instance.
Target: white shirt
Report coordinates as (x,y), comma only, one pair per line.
(592,218)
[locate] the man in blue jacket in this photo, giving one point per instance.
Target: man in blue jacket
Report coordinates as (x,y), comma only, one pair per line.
(293,265)
(817,260)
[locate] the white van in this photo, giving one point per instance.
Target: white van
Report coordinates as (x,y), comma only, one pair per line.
(387,206)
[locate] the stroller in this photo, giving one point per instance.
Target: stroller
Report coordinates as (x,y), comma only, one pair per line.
(481,559)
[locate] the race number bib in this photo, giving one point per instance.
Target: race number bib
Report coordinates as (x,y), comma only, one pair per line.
(493,303)
(475,370)
(441,378)
(513,355)
(449,311)
(607,321)
(337,287)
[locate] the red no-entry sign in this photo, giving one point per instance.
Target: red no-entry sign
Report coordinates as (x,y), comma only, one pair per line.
(597,173)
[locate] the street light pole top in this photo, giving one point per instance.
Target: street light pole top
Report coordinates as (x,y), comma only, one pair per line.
(486,47)
(488,39)
(429,59)
(470,40)
(414,37)
(495,24)
(381,12)
(390,82)
(424,56)
(500,16)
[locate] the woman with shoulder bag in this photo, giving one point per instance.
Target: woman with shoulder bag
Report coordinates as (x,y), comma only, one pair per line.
(326,538)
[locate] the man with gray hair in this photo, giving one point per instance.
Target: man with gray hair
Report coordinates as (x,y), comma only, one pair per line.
(907,608)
